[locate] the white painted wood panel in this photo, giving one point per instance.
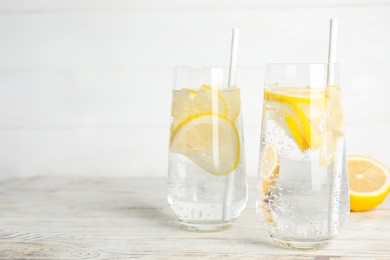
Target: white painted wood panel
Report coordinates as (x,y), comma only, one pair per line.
(85,85)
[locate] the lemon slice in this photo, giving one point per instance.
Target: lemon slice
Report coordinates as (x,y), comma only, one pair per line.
(308,108)
(269,168)
(187,103)
(333,130)
(210,141)
(266,213)
(307,124)
(369,182)
(334,109)
(269,173)
(296,95)
(232,99)
(296,133)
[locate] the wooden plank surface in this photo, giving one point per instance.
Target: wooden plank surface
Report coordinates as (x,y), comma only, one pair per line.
(106,218)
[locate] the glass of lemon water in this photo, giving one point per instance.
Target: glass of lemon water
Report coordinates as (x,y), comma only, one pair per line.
(302,183)
(207,187)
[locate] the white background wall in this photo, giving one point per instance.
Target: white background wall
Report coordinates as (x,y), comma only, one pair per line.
(85,86)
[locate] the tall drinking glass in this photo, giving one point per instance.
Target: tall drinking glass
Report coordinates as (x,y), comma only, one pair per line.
(303,195)
(207,187)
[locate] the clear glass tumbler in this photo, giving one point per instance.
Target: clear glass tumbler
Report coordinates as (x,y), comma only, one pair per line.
(303,196)
(207,187)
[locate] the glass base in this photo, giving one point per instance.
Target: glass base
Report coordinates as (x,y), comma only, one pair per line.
(301,245)
(205,226)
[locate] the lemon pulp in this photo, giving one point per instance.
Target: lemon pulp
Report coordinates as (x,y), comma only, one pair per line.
(369,182)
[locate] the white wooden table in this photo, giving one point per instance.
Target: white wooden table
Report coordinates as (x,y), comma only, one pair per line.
(68,218)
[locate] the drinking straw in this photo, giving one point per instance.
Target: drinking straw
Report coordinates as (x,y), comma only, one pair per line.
(332,50)
(337,165)
(229,182)
(233,56)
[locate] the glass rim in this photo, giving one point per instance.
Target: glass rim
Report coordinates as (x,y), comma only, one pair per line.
(301,63)
(203,67)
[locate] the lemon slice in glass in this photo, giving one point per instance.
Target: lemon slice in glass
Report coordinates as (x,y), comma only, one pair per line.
(296,95)
(231,96)
(334,125)
(269,168)
(187,103)
(210,141)
(303,120)
(334,109)
(269,173)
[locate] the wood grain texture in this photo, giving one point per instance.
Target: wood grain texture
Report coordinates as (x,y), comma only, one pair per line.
(69,218)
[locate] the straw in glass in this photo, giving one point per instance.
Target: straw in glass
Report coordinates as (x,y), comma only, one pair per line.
(337,165)
(332,50)
(229,182)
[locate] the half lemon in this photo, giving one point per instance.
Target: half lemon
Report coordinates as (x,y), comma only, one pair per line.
(369,182)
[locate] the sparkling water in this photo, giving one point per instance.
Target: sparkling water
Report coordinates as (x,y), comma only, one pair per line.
(309,200)
(207,187)
(199,198)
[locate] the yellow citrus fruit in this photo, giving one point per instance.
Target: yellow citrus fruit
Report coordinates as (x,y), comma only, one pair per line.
(303,120)
(333,127)
(369,182)
(210,141)
(269,168)
(232,99)
(296,133)
(334,109)
(187,103)
(269,173)
(309,117)
(266,213)
(296,95)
